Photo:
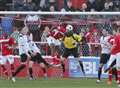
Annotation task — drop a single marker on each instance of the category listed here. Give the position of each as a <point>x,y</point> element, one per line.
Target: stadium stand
<point>60,5</point>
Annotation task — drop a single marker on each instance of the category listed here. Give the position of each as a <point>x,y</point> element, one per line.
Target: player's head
<point>104,32</point>
<point>24,30</point>
<point>116,28</point>
<point>84,6</point>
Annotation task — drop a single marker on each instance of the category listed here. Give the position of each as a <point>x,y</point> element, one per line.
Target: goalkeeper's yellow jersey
<point>71,42</point>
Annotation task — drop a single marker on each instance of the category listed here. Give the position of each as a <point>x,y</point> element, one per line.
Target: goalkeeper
<point>70,42</point>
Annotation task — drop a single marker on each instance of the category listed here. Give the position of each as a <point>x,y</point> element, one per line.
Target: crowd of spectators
<point>88,26</point>
<point>60,5</point>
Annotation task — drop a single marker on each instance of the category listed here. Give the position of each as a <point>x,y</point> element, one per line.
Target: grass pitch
<point>55,83</point>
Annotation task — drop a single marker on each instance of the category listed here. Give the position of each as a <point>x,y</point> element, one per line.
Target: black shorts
<point>67,52</point>
<point>37,58</point>
<point>104,58</point>
<point>23,57</point>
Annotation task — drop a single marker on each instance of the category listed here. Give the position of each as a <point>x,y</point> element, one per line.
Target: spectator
<point>96,46</point>
<point>44,37</point>
<point>99,5</point>
<point>116,5</point>
<point>1,32</point>
<point>28,6</point>
<point>33,23</point>
<point>95,5</point>
<point>92,36</point>
<point>7,24</point>
<point>84,45</point>
<point>63,10</point>
<point>69,6</point>
<point>4,6</point>
<point>83,7</point>
<point>88,34</point>
<point>18,5</point>
<point>18,22</point>
<point>15,34</point>
<point>108,6</point>
<point>53,2</point>
<point>42,5</point>
<point>91,5</point>
<point>45,34</point>
<point>52,8</point>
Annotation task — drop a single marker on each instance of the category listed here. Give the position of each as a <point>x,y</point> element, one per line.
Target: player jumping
<point>36,57</point>
<point>70,42</point>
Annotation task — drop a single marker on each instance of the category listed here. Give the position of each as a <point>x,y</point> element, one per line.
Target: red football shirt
<point>116,44</point>
<point>56,34</point>
<point>111,40</point>
<point>7,47</point>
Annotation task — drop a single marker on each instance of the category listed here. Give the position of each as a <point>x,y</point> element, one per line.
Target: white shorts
<point>112,58</point>
<point>118,60</point>
<point>51,40</point>
<point>4,59</point>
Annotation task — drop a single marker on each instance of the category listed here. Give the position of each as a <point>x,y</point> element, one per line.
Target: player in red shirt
<point>54,42</point>
<point>116,53</point>
<point>7,47</point>
<point>112,62</point>
<point>7,52</point>
<point>116,47</point>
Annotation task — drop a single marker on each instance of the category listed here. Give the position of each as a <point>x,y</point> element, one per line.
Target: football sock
<point>22,66</point>
<point>44,70</point>
<point>110,75</point>
<point>115,73</point>
<point>30,72</point>
<point>3,68</point>
<point>63,67</point>
<point>99,73</point>
<point>12,67</point>
<point>118,73</point>
<point>82,67</point>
